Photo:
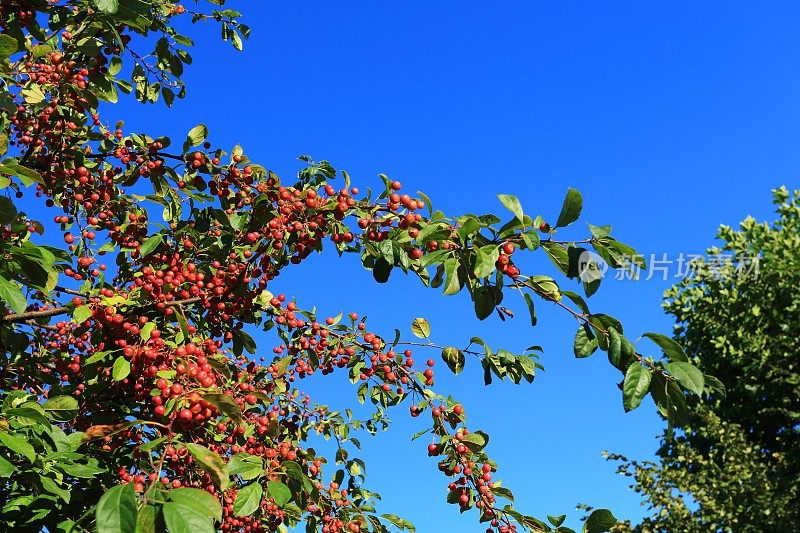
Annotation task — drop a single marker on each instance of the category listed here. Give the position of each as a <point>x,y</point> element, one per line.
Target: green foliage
<point>635,385</point>
<point>736,465</point>
<point>600,520</point>
<point>454,359</point>
<point>571,208</point>
<point>729,487</point>
<point>248,499</point>
<point>129,400</point>
<point>116,510</point>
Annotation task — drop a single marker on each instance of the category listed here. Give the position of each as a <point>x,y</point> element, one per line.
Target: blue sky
<point>670,118</point>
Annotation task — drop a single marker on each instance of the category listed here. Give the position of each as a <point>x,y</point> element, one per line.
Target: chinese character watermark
<point>592,267</point>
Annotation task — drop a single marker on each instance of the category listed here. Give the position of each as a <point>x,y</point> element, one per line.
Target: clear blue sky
<point>670,118</point>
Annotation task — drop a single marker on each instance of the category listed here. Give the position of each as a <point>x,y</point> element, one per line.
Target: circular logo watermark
<point>591,267</point>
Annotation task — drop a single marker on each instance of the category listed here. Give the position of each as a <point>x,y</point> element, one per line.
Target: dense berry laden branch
<point>141,409</point>
<point>387,378</point>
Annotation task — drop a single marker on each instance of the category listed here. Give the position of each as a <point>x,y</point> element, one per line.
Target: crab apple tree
<point>139,390</point>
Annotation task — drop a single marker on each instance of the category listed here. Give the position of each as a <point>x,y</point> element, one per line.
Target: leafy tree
<point>736,466</point>
<point>129,399</point>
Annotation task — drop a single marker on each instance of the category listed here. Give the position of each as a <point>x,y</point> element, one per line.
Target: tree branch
<point>29,315</point>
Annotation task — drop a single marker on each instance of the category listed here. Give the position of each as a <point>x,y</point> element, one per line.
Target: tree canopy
<point>736,465</point>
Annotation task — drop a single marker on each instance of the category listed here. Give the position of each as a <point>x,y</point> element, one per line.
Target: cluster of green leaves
<point>157,74</point>
<point>40,464</point>
<point>471,262</point>
<point>183,509</point>
<point>728,487</point>
<point>735,466</point>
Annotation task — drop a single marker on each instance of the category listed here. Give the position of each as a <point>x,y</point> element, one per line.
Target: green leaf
<point>146,520</point>
<point>577,300</point>
<point>26,175</point>
<point>688,375</point>
<point>635,385</point>
<point>484,300</point>
<point>236,40</point>
<point>294,471</point>
<point>115,65</point>
<point>54,487</point>
<point>246,466</point>
<point>556,520</point>
<point>29,411</point>
<point>421,328</point>
<point>97,356</point>
<point>476,441</point>
<point>511,203</point>
<point>585,342</point>
<point>427,201</point>
<point>80,470</point>
<point>248,499</point>
<point>82,314</point>
<point>8,212</point>
<point>61,408</point>
<point>503,492</point>
<point>361,392</point>
<point>211,463</point>
<point>116,510</point>
<point>121,368</point>
<point>147,330</point>
<point>52,280</point>
<point>714,386</point>
<point>198,499</point>
<point>570,209</point>
<point>226,405</point>
<point>381,270</point>
<point>599,232</point>
<point>184,325</point>
<point>485,260</point>
<point>600,520</point>
<point>672,349</point>
<point>107,6</point>
<point>669,399</point>
<point>398,522</point>
<point>106,88</point>
<point>454,359</point>
<point>558,256</point>
<point>18,445</point>
<point>8,45</point>
<point>150,245</point>
<point>279,492</point>
<point>451,284</point>
<point>183,519</point>
<point>530,239</point>
<point>197,135</point>
<point>247,342</point>
<point>11,293</point>
<point>531,308</point>
<point>6,468</point>
<point>617,348</point>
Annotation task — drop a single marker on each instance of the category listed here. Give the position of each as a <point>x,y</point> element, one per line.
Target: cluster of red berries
<point>503,262</point>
